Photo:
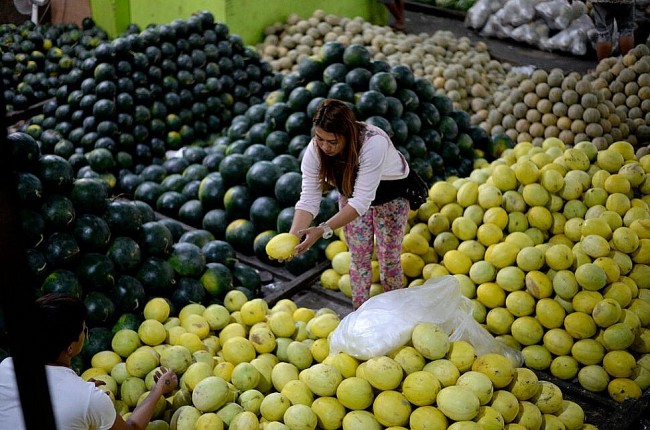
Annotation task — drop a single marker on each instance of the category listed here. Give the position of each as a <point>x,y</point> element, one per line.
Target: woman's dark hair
<point>60,320</point>
<point>335,116</point>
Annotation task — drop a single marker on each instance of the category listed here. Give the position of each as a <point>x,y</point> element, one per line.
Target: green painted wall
<point>111,15</point>
<point>247,18</point>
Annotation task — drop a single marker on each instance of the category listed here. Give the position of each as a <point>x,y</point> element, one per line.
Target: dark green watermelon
<point>128,294</point>
<point>187,259</point>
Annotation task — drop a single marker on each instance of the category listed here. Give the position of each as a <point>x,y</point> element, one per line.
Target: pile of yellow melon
<point>553,246</point>
<point>245,366</point>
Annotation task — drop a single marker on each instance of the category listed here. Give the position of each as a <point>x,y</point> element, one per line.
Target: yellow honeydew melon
<point>478,383</point>
<point>497,367</point>
<point>444,370</point>
<point>195,373</point>
<point>251,400</point>
<point>210,394</point>
<point>245,376</point>
<point>263,339</point>
<point>125,341</point>
<point>322,325</point>
<point>506,403</point>
<point>245,420</point>
<point>228,412</point>
<point>355,393</point>
<point>329,412</point>
<point>322,379</point>
<point>209,421</point>
<point>549,398</point>
<point>529,415</point>
<point>430,340</point>
<point>409,358</point>
<point>344,362</point>
<point>572,415</point>
<point>428,417</point>
<point>383,372</point>
<point>593,377</point>
<point>360,420</point>
<point>273,406</point>
<point>142,361</point>
<point>131,390</point>
<point>458,403</point>
<point>300,417</point>
<point>421,388</point>
<point>282,246</point>
<point>185,418</point>
<point>391,408</point>
<point>489,418</point>
<point>105,360</point>
<point>462,354</point>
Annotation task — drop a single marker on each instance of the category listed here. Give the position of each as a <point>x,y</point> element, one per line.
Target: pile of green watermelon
<point>140,95</point>
<point>113,252</point>
<point>36,60</point>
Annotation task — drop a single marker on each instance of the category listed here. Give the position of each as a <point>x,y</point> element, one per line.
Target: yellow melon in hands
<point>281,246</point>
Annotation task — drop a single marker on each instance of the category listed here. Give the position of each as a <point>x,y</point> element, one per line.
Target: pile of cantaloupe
<point>609,104</point>
<point>553,246</point>
<point>245,366</point>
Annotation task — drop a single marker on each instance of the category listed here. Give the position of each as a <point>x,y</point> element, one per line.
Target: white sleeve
<point>311,193</point>
<point>371,168</point>
<point>101,411</point>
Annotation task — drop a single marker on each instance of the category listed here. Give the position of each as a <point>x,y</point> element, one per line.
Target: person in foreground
<point>605,13</point>
<point>76,404</point>
<point>361,162</point>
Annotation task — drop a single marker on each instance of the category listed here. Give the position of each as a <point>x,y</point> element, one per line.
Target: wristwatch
<point>327,230</point>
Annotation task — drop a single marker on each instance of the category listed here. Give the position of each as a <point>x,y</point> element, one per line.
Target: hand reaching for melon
<point>166,379</point>
<point>308,237</point>
<point>97,382</point>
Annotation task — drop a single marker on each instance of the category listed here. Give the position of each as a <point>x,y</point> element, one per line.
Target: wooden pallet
<point>278,283</point>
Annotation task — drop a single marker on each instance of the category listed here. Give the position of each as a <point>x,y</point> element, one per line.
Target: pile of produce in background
<point>141,95</point>
<point>36,60</point>
<point>607,105</point>
<point>551,25</point>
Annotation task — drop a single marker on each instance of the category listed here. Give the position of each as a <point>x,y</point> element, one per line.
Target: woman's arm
<point>311,191</point>
<point>141,416</point>
<point>302,220</point>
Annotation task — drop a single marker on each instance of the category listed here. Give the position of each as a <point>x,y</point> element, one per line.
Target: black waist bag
<point>412,188</point>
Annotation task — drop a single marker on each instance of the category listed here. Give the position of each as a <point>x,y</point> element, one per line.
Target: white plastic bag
<point>385,322</point>
<point>556,13</point>
<point>494,28</point>
<point>530,33</point>
<point>478,14</point>
<point>516,12</point>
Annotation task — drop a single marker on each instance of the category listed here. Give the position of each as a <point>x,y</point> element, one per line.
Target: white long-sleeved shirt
<point>77,404</point>
<point>378,160</point>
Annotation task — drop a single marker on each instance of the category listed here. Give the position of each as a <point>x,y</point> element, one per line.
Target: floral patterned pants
<point>386,224</point>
